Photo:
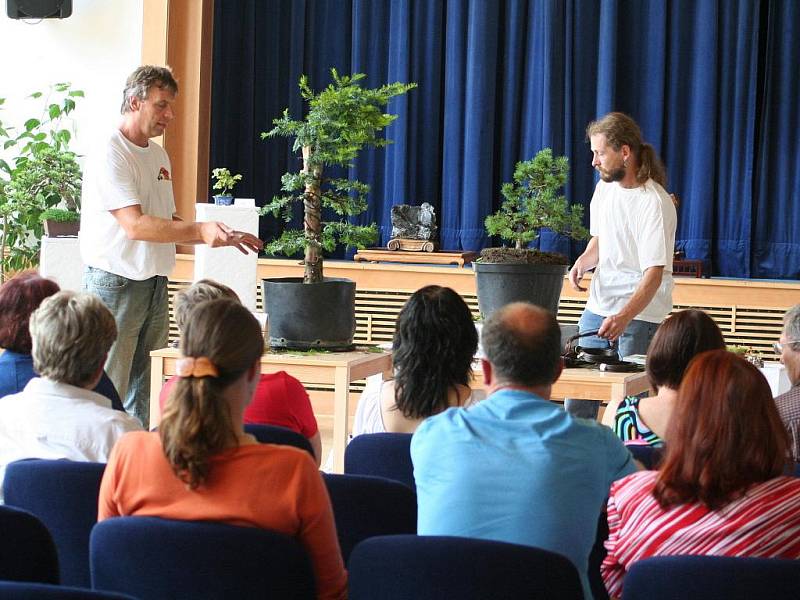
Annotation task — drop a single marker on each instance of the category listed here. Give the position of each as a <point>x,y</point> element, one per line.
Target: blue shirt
<point>519,469</point>
<point>16,370</point>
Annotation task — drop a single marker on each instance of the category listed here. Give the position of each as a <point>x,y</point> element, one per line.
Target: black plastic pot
<point>499,284</point>
<point>304,316</point>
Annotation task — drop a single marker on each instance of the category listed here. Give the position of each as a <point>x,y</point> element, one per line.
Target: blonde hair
<point>197,422</point>
<point>71,334</point>
<point>620,130</point>
<point>200,291</point>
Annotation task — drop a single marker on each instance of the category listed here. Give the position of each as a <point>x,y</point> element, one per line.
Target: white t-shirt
<point>636,230</point>
<point>117,175</point>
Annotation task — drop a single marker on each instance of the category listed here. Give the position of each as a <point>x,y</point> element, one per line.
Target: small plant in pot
<point>341,120</point>
<point>225,182</point>
<point>531,202</point>
<point>60,222</point>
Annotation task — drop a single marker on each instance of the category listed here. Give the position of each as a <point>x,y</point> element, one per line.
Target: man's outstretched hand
<point>218,235</point>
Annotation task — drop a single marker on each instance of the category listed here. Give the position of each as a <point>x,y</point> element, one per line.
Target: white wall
<point>95,49</point>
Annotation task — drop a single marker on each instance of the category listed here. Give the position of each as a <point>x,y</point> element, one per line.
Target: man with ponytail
<point>201,465</point>
<point>632,222</point>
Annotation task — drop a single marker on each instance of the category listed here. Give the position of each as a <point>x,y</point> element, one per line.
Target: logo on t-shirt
<point>163,174</point>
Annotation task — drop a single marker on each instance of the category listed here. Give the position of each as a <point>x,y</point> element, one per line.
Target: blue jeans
<point>141,311</point>
<point>635,340</point>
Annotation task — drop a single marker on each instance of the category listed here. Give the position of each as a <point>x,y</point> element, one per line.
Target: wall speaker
<point>38,9</point>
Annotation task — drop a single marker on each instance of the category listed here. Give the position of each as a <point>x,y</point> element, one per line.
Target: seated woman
<point>201,465</point>
<point>280,399</point>
<point>19,297</point>
<point>721,489</point>
<point>434,344</point>
<point>678,339</point>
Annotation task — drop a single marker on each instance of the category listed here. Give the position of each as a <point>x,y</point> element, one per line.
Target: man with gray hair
<point>57,415</point>
<point>129,228</point>
<point>789,402</point>
<point>516,467</point>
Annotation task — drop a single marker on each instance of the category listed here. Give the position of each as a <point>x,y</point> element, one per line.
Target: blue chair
<point>272,434</point>
<point>711,578</point>
<point>365,507</point>
<point>381,455</point>
<point>63,494</point>
<point>649,456</point>
<point>400,567</point>
<point>164,559</point>
<point>13,590</point>
<point>27,551</point>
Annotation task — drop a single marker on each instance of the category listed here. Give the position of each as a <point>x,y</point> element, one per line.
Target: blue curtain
<point>713,84</point>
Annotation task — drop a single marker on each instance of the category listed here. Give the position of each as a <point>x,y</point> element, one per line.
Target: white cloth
<point>369,418</point>
<point>120,174</point>
<point>635,230</point>
<point>55,420</point>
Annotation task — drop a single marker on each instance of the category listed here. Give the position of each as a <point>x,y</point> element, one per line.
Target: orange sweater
<point>260,485</point>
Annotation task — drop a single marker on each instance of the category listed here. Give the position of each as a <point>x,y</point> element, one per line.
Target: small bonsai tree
<point>223,180</point>
<point>342,119</point>
<point>532,202</point>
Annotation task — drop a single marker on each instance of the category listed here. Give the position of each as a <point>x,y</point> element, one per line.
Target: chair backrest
<point>14,590</point>
<point>711,578</point>
<point>365,507</point>
<point>273,434</point>
<point>649,456</point>
<point>63,494</point>
<point>381,455</point>
<point>27,551</point>
<point>160,559</point>
<point>433,567</point>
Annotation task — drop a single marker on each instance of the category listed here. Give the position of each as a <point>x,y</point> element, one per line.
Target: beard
<point>613,175</point>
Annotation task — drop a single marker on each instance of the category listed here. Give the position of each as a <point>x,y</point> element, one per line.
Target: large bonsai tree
<point>341,120</point>
<point>532,202</point>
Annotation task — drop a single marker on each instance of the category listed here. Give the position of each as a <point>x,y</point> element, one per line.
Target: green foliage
<point>532,202</point>
<point>224,180</point>
<point>43,174</point>
<point>342,119</point>
<point>59,215</point>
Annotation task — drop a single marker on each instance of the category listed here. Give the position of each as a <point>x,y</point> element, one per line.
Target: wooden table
<point>592,384</point>
<point>440,257</point>
<point>337,368</point>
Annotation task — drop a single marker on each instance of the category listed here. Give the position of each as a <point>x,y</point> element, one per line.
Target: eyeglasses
<point>778,346</point>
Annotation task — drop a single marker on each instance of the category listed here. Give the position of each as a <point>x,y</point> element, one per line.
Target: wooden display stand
<point>443,257</point>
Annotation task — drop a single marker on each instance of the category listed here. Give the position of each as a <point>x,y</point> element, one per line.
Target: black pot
<point>304,316</point>
<point>501,283</point>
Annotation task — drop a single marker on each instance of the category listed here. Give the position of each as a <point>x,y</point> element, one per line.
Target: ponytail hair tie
<point>201,366</point>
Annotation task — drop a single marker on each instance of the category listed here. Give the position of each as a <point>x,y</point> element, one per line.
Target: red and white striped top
<point>765,522</point>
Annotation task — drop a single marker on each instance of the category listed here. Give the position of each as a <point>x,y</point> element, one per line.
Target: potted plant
<point>531,202</point>
<point>60,222</point>
<point>224,181</point>
<point>315,311</point>
<point>44,174</point>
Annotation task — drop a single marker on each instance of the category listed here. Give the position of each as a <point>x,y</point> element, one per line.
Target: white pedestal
<point>228,265</point>
<point>776,375</point>
<point>60,260</point>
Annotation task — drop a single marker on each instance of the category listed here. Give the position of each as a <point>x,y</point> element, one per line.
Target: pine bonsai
<point>531,203</point>
<point>342,119</point>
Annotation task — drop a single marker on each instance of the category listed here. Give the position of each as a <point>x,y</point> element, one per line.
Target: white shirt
<point>119,174</point>
<point>635,228</point>
<point>55,420</point>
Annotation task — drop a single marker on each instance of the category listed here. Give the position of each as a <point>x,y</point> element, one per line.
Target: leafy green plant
<point>59,215</point>
<point>341,120</point>
<point>223,180</point>
<point>532,202</point>
<point>43,174</point>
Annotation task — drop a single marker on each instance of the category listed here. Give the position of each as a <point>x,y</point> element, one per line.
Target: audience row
<point>512,466</point>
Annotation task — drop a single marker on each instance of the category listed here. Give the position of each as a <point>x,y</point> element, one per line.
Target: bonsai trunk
<point>312,220</point>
